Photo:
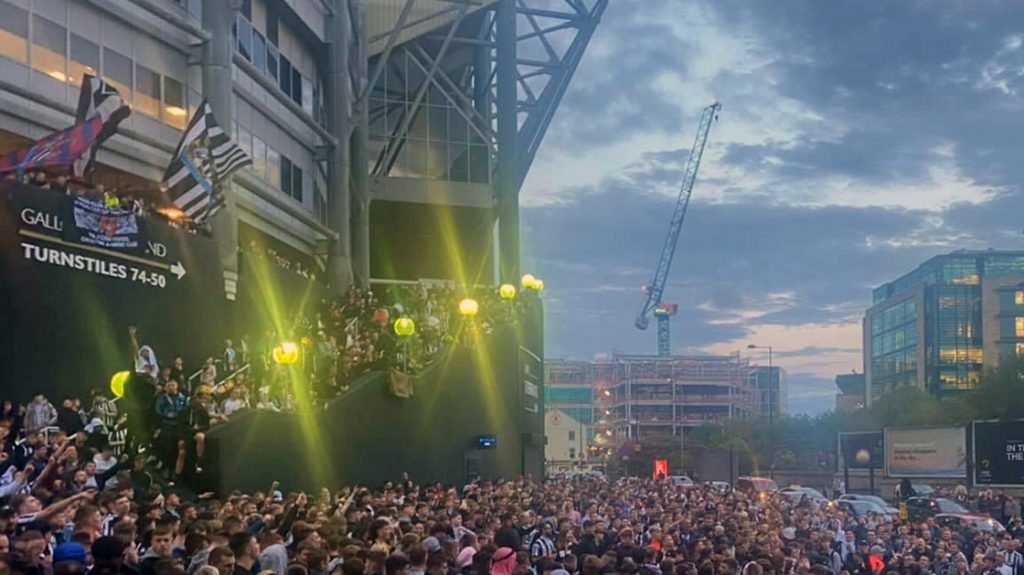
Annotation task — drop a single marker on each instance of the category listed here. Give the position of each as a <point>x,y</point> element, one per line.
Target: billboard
<point>926,452</point>
<point>861,450</point>
<point>997,449</point>
<point>76,276</point>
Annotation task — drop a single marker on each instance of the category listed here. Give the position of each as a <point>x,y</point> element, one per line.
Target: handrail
<point>231,376</point>
<point>200,371</point>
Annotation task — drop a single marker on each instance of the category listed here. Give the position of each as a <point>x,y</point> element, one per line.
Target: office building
<point>851,392</point>
<point>389,138</point>
<point>769,391</point>
<point>937,327</point>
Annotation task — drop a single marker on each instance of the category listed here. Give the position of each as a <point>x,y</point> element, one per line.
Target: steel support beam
<point>362,84</point>
<point>506,182</point>
<point>382,60</point>
<point>397,139</point>
<point>339,111</point>
<point>561,70</point>
<point>218,87</point>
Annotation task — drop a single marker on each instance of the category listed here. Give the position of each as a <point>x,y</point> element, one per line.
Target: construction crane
<point>653,292</point>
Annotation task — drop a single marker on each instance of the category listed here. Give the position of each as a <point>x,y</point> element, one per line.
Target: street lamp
<point>117,383</point>
<point>507,291</point>
<point>404,328</point>
<point>469,307</point>
<point>771,409</point>
<point>285,354</point>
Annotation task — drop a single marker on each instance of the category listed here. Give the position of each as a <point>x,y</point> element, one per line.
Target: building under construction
<point>628,396</point>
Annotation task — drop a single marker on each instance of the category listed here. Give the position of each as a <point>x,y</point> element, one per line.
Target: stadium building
<point>389,141</point>
<point>390,138</point>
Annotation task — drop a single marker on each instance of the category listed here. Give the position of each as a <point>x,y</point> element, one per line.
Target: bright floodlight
<point>286,354</point>
<point>469,307</point>
<point>507,291</point>
<point>117,382</point>
<point>404,326</point>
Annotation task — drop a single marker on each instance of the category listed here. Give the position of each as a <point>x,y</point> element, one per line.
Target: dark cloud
<point>599,250</point>
<point>613,95</point>
<point>885,93</point>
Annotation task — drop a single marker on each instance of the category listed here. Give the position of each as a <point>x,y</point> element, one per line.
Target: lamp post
<point>404,328</point>
<point>771,409</point>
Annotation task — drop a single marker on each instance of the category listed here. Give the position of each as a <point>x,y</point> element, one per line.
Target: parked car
<point>756,486</point>
<point>721,486</point>
<point>920,508</point>
<point>796,493</point>
<point>873,498</point>
<point>861,508</point>
<point>922,489</point>
<point>959,521</point>
<point>680,480</point>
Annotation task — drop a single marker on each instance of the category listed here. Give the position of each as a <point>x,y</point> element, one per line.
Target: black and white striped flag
<point>98,98</point>
<point>205,157</point>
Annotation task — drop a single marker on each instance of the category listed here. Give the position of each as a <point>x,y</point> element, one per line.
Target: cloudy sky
<point>857,138</point>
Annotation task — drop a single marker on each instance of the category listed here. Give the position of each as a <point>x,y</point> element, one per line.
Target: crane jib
<point>668,250</point>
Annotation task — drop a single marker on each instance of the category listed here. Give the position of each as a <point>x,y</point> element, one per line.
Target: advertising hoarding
<point>926,452</point>
<point>997,449</point>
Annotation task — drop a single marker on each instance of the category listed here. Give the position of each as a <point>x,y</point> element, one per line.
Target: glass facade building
<point>939,326</point>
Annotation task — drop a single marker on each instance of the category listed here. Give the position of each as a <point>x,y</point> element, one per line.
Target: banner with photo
<point>98,225</point>
<point>926,452</point>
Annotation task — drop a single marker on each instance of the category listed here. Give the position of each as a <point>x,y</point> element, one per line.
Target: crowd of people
<point>72,508</point>
<point>110,197</point>
<point>169,407</point>
<point>271,255</point>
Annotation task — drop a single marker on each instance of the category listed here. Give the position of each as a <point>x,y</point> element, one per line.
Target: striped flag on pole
<point>204,159</point>
<point>97,98</point>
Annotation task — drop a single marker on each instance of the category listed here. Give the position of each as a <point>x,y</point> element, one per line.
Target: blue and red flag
<point>56,150</point>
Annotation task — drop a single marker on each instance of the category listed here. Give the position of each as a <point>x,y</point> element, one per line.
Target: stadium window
<point>1018,298</point>
<point>273,167</point>
<point>259,52</point>
<point>147,89</point>
<point>285,83</point>
<point>572,453</point>
<point>1019,348</point>
<point>296,86</point>
<point>244,31</point>
<point>244,139</point>
<point>117,71</point>
<point>85,58</point>
<point>175,111</point>
<point>1018,325</point>
<point>259,157</point>
<point>272,27</point>
<point>572,435</point>
<point>297,183</point>
<point>49,47</point>
<point>13,32</point>
<point>272,62</point>
<point>306,96</point>
<point>286,175</point>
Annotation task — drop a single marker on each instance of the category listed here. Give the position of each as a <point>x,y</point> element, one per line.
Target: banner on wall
<point>997,449</point>
<point>926,452</point>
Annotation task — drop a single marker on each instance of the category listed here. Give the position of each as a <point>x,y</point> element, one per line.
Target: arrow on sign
<point>178,270</point>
